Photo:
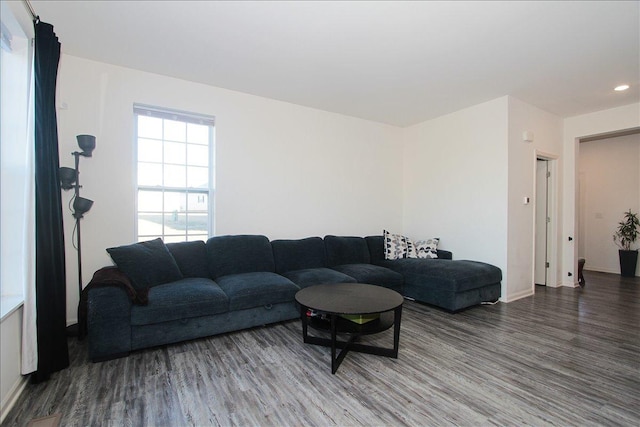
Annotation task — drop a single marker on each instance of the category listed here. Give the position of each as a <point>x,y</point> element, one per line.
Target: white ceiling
<point>392,62</point>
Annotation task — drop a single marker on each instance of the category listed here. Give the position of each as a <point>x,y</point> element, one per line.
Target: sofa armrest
<point>442,254</point>
<point>108,322</point>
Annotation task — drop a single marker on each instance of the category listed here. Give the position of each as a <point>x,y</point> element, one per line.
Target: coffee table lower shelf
<point>338,325</point>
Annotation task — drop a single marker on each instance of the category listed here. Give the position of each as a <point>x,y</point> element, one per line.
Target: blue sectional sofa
<point>160,294</point>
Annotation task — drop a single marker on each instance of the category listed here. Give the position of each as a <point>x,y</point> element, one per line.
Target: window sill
<point>9,304</point>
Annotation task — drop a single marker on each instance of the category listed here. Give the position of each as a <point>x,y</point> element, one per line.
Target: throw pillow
<point>427,248</point>
<point>397,246</point>
<point>146,264</point>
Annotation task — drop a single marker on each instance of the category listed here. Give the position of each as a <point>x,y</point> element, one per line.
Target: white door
<point>542,222</point>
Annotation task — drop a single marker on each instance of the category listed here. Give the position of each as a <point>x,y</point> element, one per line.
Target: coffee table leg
<point>334,362</point>
<point>397,317</point>
<point>304,320</point>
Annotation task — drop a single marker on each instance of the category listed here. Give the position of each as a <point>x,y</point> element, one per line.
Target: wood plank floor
<point>568,357</point>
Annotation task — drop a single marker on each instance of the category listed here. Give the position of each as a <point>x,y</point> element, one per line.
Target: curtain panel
<point>53,353</point>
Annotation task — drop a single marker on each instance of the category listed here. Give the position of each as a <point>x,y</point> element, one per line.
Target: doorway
<point>542,222</point>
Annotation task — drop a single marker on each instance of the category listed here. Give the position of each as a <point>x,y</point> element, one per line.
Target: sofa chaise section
<point>450,284</point>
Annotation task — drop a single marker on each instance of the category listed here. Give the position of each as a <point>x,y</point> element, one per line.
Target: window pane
<point>175,131</point>
<point>175,201</point>
<point>197,202</point>
<point>149,127</point>
<point>149,224</point>
<point>149,150</point>
<point>145,238</point>
<point>149,201</point>
<point>198,223</point>
<point>149,174</point>
<point>197,177</point>
<point>175,223</point>
<point>198,134</point>
<point>174,239</point>
<point>174,176</point>
<point>175,152</point>
<point>197,155</point>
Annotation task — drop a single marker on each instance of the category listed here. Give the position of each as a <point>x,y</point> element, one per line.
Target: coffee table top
<point>349,298</point>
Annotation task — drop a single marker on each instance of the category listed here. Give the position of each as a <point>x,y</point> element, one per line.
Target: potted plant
<point>626,234</point>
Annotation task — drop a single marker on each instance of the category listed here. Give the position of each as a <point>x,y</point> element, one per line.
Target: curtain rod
<point>27,4</point>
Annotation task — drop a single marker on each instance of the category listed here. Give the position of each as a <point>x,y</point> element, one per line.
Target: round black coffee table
<point>355,309</point>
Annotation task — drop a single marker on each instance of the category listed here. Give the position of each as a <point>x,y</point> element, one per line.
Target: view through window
<point>174,174</point>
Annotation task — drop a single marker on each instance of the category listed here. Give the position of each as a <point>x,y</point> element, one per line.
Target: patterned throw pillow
<point>397,246</point>
<point>427,248</point>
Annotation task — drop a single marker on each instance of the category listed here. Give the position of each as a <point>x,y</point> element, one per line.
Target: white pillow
<point>427,248</point>
<point>397,246</point>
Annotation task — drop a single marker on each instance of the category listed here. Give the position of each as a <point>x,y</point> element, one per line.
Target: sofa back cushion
<point>239,254</point>
<point>146,264</point>
<point>376,248</point>
<point>301,254</point>
<point>342,250</point>
<point>191,258</point>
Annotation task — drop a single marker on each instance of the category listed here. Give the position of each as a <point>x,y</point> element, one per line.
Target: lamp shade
<point>67,177</point>
<point>81,206</point>
<point>87,144</point>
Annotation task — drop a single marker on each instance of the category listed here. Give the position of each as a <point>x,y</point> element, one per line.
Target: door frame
<point>553,213</point>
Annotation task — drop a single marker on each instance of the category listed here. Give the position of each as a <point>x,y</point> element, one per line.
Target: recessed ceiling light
<point>621,88</point>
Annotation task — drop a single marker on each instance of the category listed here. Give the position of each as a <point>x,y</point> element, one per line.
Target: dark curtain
<point>51,296</point>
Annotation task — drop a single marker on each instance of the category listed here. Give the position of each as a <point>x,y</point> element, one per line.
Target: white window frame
<point>176,115</point>
<point>17,197</point>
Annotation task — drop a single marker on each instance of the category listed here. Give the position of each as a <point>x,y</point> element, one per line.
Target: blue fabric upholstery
<point>299,254</point>
<point>317,276</point>
<point>247,291</point>
<point>455,276</point>
<point>196,327</point>
<point>373,275</point>
<point>250,290</point>
<point>191,258</point>
<point>239,254</point>
<point>346,250</point>
<point>146,264</point>
<point>179,300</point>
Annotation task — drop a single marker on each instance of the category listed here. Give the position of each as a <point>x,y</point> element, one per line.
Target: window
<point>17,226</point>
<point>174,174</point>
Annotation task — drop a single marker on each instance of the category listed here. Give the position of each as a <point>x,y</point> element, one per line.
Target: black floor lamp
<point>70,178</point>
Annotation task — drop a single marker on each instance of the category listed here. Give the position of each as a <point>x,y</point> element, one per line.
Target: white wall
<point>282,170</point>
<point>455,183</point>
<point>466,175</point>
<point>547,142</point>
<point>600,122</point>
<point>609,172</point>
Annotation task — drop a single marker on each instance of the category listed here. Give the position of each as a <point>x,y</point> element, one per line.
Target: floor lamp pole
<point>78,216</point>
<point>70,178</point>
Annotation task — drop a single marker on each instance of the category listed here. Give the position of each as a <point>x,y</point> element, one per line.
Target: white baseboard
<point>518,295</point>
<point>12,397</point>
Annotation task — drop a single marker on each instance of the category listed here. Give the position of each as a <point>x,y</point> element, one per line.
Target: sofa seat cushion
<point>446,275</point>
<point>249,290</point>
<point>373,275</point>
<point>192,297</point>
<point>317,276</point>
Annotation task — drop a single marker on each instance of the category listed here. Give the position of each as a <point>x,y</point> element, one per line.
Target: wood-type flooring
<point>567,357</point>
